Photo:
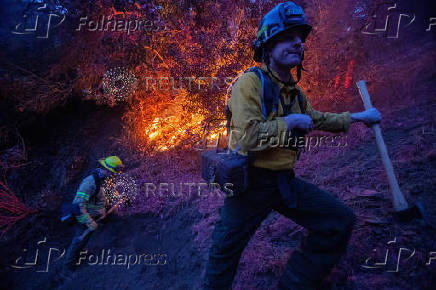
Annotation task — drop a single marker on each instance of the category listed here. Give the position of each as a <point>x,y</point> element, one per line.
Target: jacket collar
<point>275,78</point>
<point>102,173</point>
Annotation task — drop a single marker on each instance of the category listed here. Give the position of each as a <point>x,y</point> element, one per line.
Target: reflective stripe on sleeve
<point>82,218</point>
<point>82,194</point>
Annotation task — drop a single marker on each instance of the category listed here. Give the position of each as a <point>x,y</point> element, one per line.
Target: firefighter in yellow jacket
<point>91,203</point>
<point>272,184</point>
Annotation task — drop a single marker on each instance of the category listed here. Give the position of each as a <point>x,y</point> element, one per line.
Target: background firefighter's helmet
<point>283,17</point>
<point>112,163</point>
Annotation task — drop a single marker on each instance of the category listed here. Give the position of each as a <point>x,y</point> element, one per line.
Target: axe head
<point>408,214</point>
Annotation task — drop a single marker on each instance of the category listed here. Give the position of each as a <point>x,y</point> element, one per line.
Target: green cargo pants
<point>328,221</point>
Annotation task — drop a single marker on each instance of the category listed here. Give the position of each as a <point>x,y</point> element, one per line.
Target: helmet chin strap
<point>300,67</point>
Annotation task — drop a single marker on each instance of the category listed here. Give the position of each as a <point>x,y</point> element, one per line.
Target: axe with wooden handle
<point>402,210</point>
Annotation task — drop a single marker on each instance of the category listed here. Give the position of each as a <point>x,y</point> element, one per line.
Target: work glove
<point>368,117</point>
<point>92,225</point>
<point>299,121</point>
<point>371,116</point>
<point>102,212</point>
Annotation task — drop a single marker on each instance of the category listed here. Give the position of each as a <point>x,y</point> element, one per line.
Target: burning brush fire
<point>177,126</point>
<point>167,132</point>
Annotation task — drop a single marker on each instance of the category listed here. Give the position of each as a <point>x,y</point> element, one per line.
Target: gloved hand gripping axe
<point>114,207</point>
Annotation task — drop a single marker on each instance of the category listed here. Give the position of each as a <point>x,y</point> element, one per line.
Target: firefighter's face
<point>287,49</point>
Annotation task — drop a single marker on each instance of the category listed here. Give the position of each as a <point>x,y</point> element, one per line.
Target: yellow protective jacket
<point>249,127</point>
<point>92,205</point>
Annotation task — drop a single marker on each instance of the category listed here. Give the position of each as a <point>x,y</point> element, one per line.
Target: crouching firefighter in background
<point>88,205</point>
<point>266,103</point>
